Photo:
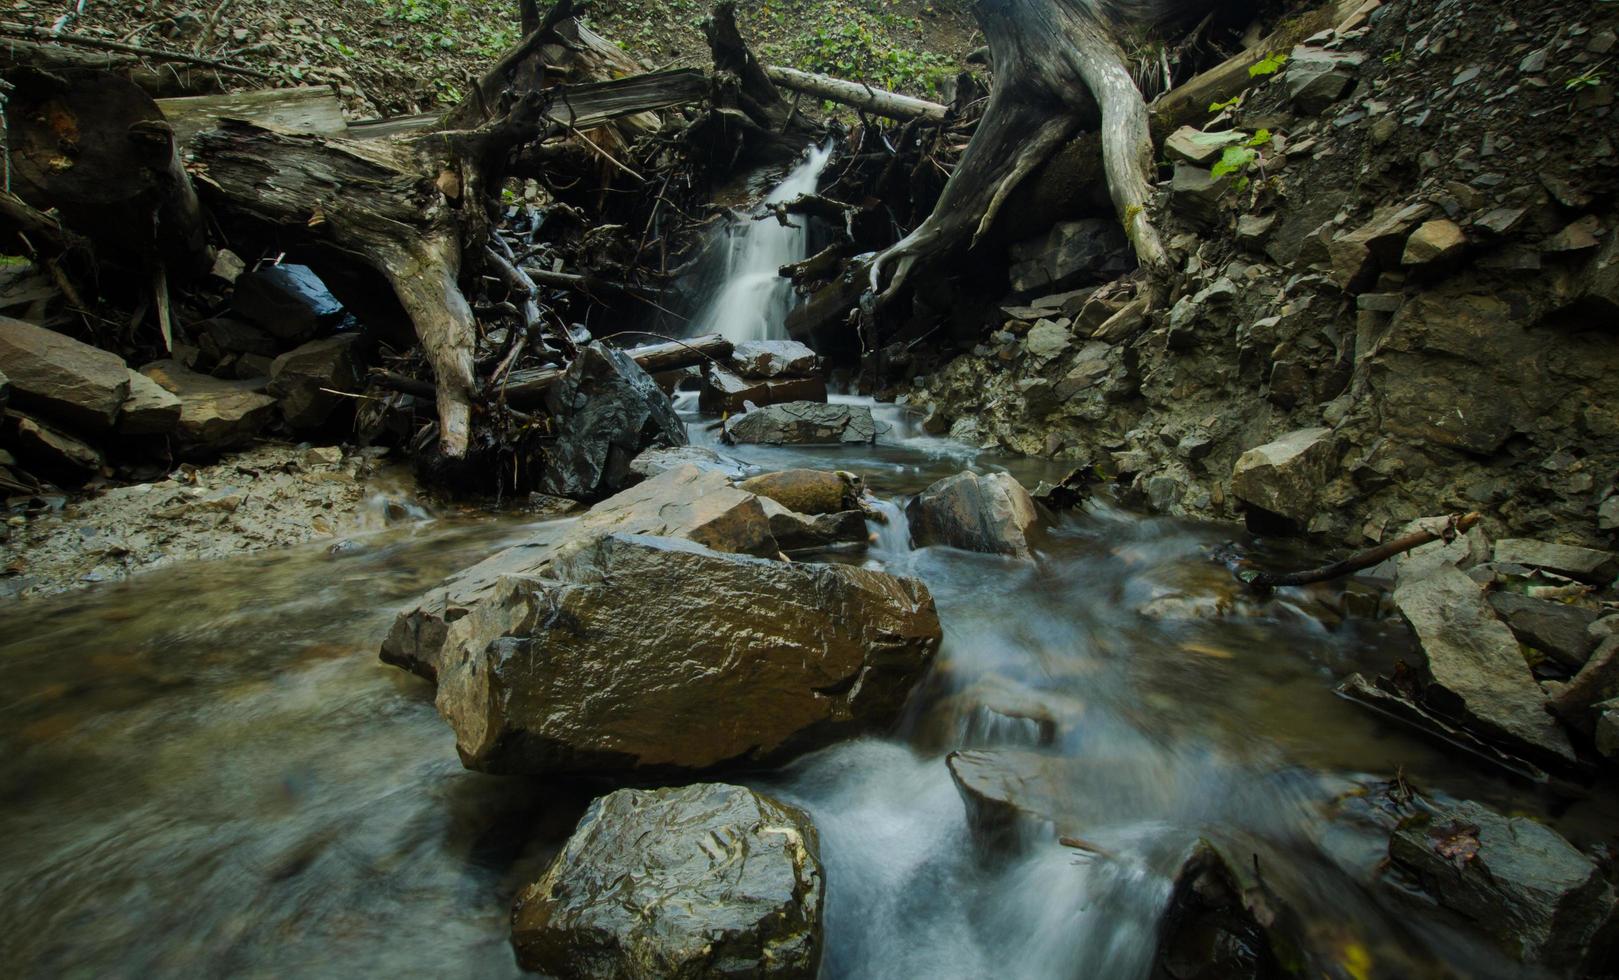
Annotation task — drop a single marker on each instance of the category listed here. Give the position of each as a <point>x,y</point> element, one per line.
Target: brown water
<point>207,772</point>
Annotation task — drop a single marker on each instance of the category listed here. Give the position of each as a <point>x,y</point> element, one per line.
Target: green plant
<point>1234,102</point>
<point>1269,65</point>
<point>1393,56</point>
<point>1240,154</point>
<point>1590,79</point>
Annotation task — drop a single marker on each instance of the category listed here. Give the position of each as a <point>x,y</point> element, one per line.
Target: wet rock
<point>214,414</point>
<point>808,491</point>
<point>1434,241</point>
<point>990,514</point>
<point>62,378</point>
<point>1285,477</point>
<point>1215,926</point>
<point>803,423</point>
<point>753,661</point>
<point>773,359</point>
<point>289,301</point>
<point>702,881</point>
<point>303,378</point>
<point>657,461</point>
<point>1477,674</point>
<point>59,453</point>
<point>1530,890</point>
<point>1003,788</point>
<point>685,502</point>
<point>1316,78</point>
<point>1586,564</point>
<point>1073,253</point>
<point>1556,629</point>
<point>150,409</point>
<point>794,531</point>
<point>726,393</point>
<point>606,410</point>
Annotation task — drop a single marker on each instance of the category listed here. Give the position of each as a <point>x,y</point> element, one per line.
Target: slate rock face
<point>70,381</point>
<point>708,880</point>
<point>641,655</point>
<point>606,409</point>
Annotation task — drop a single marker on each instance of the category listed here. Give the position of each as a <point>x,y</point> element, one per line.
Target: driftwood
<point>1457,524</point>
<point>858,95</point>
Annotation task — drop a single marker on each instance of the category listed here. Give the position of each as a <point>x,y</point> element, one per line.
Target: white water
<point>754,302</point>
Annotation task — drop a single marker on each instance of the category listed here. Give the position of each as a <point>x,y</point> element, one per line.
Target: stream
<point>208,772</point>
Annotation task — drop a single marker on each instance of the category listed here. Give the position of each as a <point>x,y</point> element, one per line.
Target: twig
<point>213,22</point>
<point>1366,559</point>
<point>41,34</point>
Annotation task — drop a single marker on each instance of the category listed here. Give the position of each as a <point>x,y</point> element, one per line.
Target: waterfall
<point>752,303</point>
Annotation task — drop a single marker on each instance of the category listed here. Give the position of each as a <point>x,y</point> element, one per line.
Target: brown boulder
<point>808,491</point>
<point>726,393</point>
<point>54,374</point>
<point>214,414</point>
<point>990,514</point>
<point>150,409</point>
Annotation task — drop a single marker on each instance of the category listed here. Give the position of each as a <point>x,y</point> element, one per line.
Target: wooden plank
<point>311,110</point>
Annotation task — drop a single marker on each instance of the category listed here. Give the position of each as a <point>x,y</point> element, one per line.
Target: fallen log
<point>527,388</point>
<point>154,54</point>
<point>1457,524</point>
<point>890,105</point>
<point>310,109</point>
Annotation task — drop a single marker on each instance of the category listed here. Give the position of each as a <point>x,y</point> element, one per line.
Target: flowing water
<point>207,772</point>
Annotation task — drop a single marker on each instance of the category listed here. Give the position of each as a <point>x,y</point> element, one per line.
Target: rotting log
<point>311,109</point>
<point>890,105</point>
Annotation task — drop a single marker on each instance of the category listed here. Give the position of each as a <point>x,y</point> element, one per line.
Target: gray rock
<point>803,423</point>
<point>1285,477</point>
<point>1478,675</point>
<point>1379,243</point>
<point>606,411</point>
<point>1597,681</point>
<point>773,359</point>
<point>1607,732</point>
<point>1186,145</point>
<point>753,660</point>
<point>1316,78</point>
<point>62,378</point>
<point>1046,340</point>
<point>1537,896</point>
<point>1463,551</point>
<point>657,461</point>
<point>702,881</point>
<point>303,378</point>
<point>214,414</point>
<point>1586,564</point>
<point>1608,514</point>
<point>220,337</point>
<point>150,409</point>
<point>1253,229</point>
<point>795,531</point>
<point>990,514</point>
<point>1556,629</point>
<point>289,301</point>
<point>685,502</point>
<point>1195,193</point>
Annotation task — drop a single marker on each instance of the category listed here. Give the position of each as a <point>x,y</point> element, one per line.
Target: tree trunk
<point>858,95</point>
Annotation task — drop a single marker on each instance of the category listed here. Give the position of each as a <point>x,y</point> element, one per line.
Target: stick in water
<point>1456,524</point>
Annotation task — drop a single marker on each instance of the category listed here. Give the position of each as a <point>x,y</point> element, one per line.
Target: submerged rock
<point>1478,675</point>
<point>1537,896</point>
<point>703,881</point>
<point>685,502</point>
<point>991,514</point>
<point>803,423</point>
<point>606,410</point>
<point>66,379</point>
<point>644,654</point>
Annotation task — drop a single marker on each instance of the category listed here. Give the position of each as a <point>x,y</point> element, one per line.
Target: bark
<point>311,109</point>
<point>858,95</point>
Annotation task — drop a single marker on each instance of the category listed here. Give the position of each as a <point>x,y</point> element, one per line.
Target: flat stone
<point>62,378</point>
<point>796,532</point>
<point>1556,629</point>
<point>1285,477</point>
<point>214,414</point>
<point>1434,241</point>
<point>707,880</point>
<point>1190,145</point>
<point>773,359</point>
<point>659,460</point>
<point>1316,78</point>
<point>1047,339</point>
<point>60,452</point>
<point>808,491</point>
<point>150,409</point>
<point>803,423</point>
<point>990,514</point>
<point>1478,675</point>
<point>1586,564</point>
<point>1577,236</point>
<point>727,393</point>
<point>753,661</point>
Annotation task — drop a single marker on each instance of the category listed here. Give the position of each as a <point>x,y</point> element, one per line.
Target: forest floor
<point>394,57</point>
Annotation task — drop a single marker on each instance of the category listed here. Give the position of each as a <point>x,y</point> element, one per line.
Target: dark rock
<point>150,409</point>
<point>1597,681</point>
<point>1217,922</point>
<point>795,531</point>
<point>1253,229</point>
<point>5,390</point>
<point>1607,729</point>
<point>1586,564</point>
<point>1537,896</point>
<point>214,414</point>
<point>1285,477</point>
<point>685,502</point>
<point>726,393</point>
<point>58,453</point>
<point>289,301</point>
<point>773,359</point>
<point>1379,243</point>
<point>753,661</point>
<point>54,374</point>
<point>991,514</point>
<point>1556,629</point>
<point>808,491</point>
<point>1316,78</point>
<point>303,378</point>
<point>803,423</point>
<point>1391,700</point>
<point>220,337</point>
<point>1073,253</point>
<point>606,410</point>
<point>1477,674</point>
<point>1195,193</point>
<point>702,881</point>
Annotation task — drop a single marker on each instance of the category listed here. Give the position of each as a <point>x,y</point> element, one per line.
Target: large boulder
<point>214,414</point>
<point>1285,477</point>
<point>773,359</point>
<point>606,409</point>
<point>685,502</point>
<point>702,881</point>
<point>1478,675</point>
<point>991,514</point>
<point>803,423</point>
<point>150,409</point>
<point>651,656</point>
<point>1537,896</point>
<point>304,378</point>
<point>69,381</point>
<point>808,491</point>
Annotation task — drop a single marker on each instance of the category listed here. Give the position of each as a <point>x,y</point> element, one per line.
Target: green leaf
<point>1234,158</point>
<point>1261,138</point>
<point>1268,66</point>
<point>1218,139</point>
